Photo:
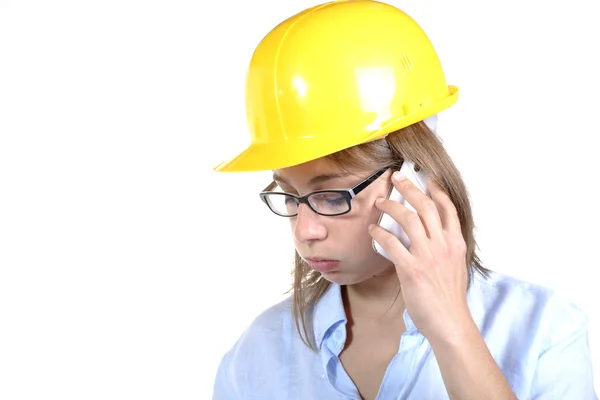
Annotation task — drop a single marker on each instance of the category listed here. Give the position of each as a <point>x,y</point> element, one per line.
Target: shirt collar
<point>329,310</point>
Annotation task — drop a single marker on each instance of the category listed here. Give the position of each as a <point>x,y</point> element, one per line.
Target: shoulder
<point>267,333</point>
<point>262,346</point>
<point>526,306</point>
<point>271,321</point>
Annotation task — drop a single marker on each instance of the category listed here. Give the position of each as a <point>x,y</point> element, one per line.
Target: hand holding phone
<point>419,179</point>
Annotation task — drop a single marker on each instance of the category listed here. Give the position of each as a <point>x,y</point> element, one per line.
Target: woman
<point>340,96</point>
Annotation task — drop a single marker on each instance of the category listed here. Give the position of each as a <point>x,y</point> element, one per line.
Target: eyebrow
<point>316,180</point>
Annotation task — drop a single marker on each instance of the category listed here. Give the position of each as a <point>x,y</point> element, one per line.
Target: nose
<point>308,225</point>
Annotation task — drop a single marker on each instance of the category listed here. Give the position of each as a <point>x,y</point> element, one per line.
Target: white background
<point>128,267</point>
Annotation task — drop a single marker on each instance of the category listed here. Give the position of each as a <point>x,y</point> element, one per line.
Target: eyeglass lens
<point>326,203</point>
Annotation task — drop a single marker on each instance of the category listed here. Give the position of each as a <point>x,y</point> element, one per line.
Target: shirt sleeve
<point>222,388</point>
<point>564,370</point>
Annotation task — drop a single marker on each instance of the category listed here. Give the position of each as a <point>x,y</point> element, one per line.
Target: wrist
<point>459,332</point>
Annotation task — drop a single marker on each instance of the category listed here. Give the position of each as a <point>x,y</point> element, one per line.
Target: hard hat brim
<point>270,156</point>
<point>276,155</point>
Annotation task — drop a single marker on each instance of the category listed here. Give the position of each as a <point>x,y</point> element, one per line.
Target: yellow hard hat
<point>334,76</point>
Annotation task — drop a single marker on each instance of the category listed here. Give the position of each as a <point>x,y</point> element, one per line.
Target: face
<point>339,247</point>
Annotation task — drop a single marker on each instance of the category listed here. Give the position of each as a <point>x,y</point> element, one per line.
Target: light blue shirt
<point>538,339</point>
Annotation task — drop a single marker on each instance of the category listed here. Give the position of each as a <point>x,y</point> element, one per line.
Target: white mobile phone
<point>419,179</point>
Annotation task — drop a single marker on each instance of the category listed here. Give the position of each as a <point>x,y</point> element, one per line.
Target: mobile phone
<point>419,179</point>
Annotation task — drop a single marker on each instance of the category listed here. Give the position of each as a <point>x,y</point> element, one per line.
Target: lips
<point>322,265</point>
<point>318,259</point>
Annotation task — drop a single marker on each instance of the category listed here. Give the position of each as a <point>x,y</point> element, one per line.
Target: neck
<point>375,298</point>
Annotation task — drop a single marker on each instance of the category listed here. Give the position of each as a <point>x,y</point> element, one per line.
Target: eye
<point>289,200</point>
<point>334,200</point>
<point>329,200</point>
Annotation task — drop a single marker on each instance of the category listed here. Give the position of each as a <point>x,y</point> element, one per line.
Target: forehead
<point>311,173</point>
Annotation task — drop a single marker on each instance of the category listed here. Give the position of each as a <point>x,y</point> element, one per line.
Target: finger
<point>447,210</point>
<point>424,205</point>
<point>409,221</point>
<point>399,254</point>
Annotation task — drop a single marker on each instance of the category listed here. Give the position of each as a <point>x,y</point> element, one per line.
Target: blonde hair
<point>418,144</point>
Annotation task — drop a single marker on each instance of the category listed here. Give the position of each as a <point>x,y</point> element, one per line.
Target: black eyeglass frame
<point>347,194</point>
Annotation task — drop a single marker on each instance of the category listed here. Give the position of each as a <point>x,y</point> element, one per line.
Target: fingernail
<point>398,177</point>
<point>379,200</point>
<point>371,226</point>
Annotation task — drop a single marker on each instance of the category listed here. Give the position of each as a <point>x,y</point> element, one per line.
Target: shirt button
<point>322,376</point>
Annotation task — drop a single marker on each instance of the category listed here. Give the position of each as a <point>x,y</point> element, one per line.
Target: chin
<point>344,278</point>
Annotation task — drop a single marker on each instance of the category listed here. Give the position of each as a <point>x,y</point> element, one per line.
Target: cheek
<point>355,229</point>
<point>352,228</point>
<point>367,213</point>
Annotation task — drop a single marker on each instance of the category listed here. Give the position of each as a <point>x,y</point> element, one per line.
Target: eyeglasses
<point>324,202</point>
